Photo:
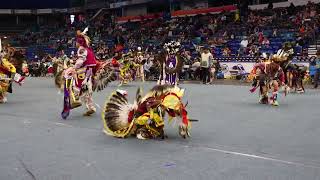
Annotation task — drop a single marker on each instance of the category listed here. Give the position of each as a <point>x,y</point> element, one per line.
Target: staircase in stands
<point>312,50</point>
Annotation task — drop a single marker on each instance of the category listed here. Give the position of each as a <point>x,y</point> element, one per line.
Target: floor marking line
<point>63,124</point>
<point>257,157</point>
<point>27,169</point>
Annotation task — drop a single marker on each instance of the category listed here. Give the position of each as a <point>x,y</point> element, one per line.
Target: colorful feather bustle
<point>59,79</point>
<point>144,118</point>
<point>103,77</point>
<point>104,80</point>
<point>115,115</point>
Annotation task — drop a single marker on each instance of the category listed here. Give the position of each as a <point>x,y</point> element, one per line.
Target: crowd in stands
<point>263,30</point>
<point>226,33</point>
<point>228,36</point>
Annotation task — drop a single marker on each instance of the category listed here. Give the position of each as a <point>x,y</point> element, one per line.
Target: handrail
<point>97,13</point>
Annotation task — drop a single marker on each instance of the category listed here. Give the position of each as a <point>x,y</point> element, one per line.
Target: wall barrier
<point>179,13</point>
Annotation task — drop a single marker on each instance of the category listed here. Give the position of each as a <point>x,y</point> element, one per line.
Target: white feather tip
<point>85,30</point>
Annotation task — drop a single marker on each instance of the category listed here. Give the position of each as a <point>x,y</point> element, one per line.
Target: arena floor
<point>235,139</point>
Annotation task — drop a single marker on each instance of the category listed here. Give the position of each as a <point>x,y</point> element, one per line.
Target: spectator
<point>206,61</point>
<point>275,32</point>
<point>147,67</point>
<point>261,37</point>
<point>226,52</point>
<point>270,5</point>
<point>317,74</point>
<point>291,9</point>
<point>302,30</point>
<point>266,42</point>
<point>119,42</point>
<point>244,42</point>
<point>253,51</point>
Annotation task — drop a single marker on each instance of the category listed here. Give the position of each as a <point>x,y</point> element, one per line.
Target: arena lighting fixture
<point>5,37</point>
<point>72,18</point>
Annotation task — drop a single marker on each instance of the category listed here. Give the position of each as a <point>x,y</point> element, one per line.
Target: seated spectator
<point>226,52</point>
<point>302,30</point>
<point>275,32</point>
<point>266,42</point>
<point>260,37</point>
<point>244,42</point>
<point>253,51</point>
<point>317,75</point>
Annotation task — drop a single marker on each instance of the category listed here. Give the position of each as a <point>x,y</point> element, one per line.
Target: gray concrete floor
<point>235,139</point>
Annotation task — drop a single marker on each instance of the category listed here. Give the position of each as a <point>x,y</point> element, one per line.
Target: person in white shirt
<point>244,43</point>
<point>206,61</point>
<point>147,67</point>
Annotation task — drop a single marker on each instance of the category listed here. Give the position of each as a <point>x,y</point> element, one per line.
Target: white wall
<point>248,66</point>
<point>5,11</point>
<point>135,10</point>
<point>302,2</point>
<point>283,4</point>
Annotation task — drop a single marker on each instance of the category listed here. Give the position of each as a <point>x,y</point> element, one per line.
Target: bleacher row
<point>32,52</point>
<point>275,44</point>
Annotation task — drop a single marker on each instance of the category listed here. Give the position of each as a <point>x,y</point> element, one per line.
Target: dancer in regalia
<point>294,73</point>
<point>128,68</point>
<point>60,63</point>
<point>171,63</point>
<point>8,73</point>
<point>145,118</point>
<point>140,61</point>
<point>85,77</point>
<point>268,76</point>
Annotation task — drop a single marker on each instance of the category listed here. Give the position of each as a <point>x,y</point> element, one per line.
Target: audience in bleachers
<point>264,31</point>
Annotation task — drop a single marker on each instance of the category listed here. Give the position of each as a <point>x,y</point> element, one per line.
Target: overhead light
<point>5,37</point>
<point>72,17</point>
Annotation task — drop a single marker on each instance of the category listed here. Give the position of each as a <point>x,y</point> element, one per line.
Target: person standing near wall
<point>206,61</point>
<point>317,74</point>
<point>213,70</point>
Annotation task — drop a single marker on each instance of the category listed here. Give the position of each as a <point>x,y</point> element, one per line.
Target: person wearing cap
<point>317,74</point>
<point>206,62</point>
